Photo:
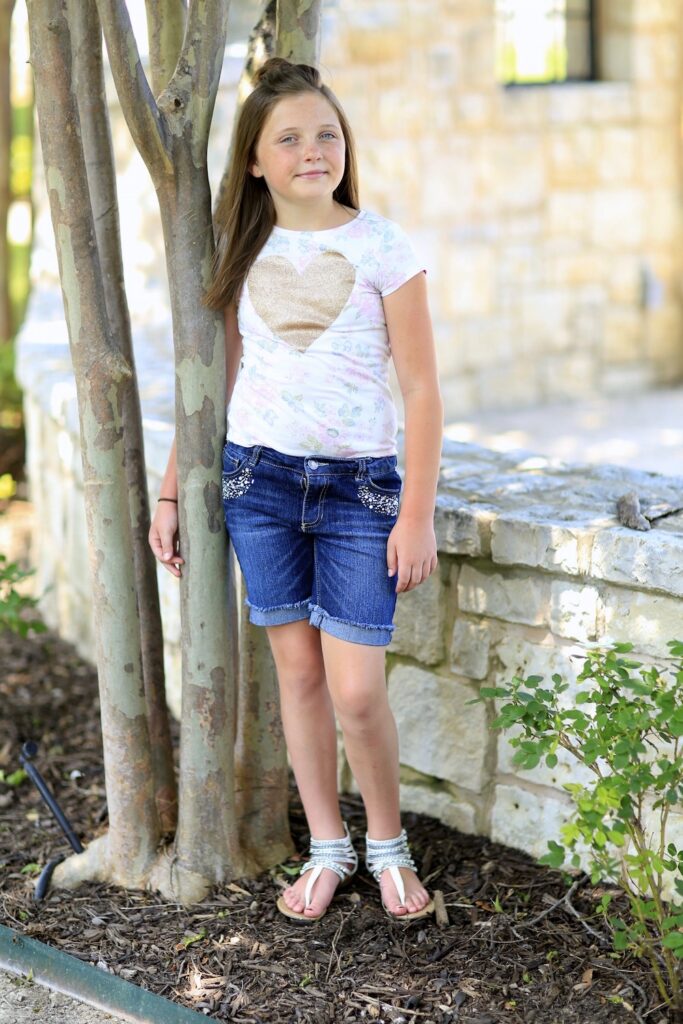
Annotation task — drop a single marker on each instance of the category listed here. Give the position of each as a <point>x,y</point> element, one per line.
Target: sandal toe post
<point>392,854</point>
<point>334,854</point>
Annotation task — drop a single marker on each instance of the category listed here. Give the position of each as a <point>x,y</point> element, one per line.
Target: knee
<point>359,707</point>
<point>302,681</point>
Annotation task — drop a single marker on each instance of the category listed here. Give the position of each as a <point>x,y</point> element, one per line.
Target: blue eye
<point>287,137</point>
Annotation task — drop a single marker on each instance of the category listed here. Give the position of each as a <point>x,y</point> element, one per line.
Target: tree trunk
<point>6,325</point>
<point>125,854</point>
<point>99,159</point>
<point>232,814</point>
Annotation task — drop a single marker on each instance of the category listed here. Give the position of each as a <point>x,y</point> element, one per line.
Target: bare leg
<point>357,682</point>
<point>310,734</point>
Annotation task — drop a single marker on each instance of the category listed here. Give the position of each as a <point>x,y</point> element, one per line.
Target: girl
<point>317,293</point>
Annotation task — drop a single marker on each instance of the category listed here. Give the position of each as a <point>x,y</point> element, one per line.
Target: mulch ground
<point>513,950</point>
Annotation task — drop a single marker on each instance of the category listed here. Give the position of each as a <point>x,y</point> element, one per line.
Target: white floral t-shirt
<point>313,379</point>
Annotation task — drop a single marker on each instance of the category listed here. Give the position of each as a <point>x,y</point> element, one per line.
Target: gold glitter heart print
<point>299,307</point>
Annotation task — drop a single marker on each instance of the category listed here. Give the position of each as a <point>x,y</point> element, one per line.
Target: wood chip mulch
<point>513,948</point>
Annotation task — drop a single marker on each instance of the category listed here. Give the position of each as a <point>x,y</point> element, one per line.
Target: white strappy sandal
<point>393,854</point>
<point>335,854</point>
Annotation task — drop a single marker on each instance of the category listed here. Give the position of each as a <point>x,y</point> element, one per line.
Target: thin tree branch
<point>197,74</point>
<point>165,31</point>
<point>139,107</point>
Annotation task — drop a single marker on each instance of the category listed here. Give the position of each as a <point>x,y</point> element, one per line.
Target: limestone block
<point>623,278</point>
<point>519,538</point>
<point>627,378</point>
<point>617,218</point>
<point>419,620</point>
<point>662,224</point>
<point>617,155</point>
<point>571,157</point>
<point>521,263</point>
<point>568,376</point>
<point>656,104</point>
<point>439,804</point>
<point>519,655</point>
<point>567,212</point>
<point>644,14</point>
<point>623,329</point>
<point>567,103</point>
<point>613,102</point>
<point>658,156</point>
<point>439,734</point>
<point>651,560</point>
<point>523,185</point>
<point>655,57</point>
<point>483,341</point>
<point>521,108</point>
<point>470,271</point>
<point>645,620</point>
<point>457,527</point>
<point>470,645</point>
<point>569,268</point>
<point>574,609</point>
<point>508,386</point>
<point>545,314</point>
<point>526,820</point>
<point>663,340</point>
<point>473,109</point>
<point>513,597</point>
<point>460,393</point>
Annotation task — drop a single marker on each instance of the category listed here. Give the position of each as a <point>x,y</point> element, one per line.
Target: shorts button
<point>313,464</point>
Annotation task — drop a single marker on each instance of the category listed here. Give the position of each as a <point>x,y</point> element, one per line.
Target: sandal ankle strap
<point>333,854</point>
<point>381,854</point>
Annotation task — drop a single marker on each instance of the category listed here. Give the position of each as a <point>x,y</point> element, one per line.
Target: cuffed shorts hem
<point>356,632</point>
<point>278,615</point>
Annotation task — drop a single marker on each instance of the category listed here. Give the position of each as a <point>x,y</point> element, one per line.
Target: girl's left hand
<point>411,551</point>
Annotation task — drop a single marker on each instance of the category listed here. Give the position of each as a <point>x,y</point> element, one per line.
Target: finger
<point>403,580</point>
<point>392,558</point>
<point>155,542</point>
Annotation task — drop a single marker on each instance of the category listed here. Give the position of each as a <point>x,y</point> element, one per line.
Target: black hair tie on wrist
<point>174,500</point>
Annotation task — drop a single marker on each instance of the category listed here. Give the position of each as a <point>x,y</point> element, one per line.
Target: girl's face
<point>300,151</point>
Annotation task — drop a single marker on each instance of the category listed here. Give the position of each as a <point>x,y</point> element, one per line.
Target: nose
<point>312,149</point>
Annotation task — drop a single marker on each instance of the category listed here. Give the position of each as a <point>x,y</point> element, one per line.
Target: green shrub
<point>13,605</point>
<point>626,726</point>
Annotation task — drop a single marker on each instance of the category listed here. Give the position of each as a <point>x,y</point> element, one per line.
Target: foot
<point>323,891</point>
<point>416,898</point>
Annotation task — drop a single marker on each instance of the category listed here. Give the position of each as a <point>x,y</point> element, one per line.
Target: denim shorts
<point>310,535</point>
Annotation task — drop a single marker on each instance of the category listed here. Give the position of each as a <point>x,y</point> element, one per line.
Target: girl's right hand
<point>163,537</point>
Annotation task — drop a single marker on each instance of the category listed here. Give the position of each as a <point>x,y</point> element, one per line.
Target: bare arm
<point>412,544</point>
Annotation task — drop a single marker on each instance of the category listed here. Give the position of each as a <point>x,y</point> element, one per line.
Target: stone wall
<point>549,216</point>
<point>533,569</point>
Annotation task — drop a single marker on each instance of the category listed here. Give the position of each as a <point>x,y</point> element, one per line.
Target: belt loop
<point>255,455</point>
<point>361,469</point>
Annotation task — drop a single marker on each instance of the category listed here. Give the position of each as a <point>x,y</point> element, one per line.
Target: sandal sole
<point>414,916</point>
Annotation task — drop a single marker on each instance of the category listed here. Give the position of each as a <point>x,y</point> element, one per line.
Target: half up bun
<point>278,71</point>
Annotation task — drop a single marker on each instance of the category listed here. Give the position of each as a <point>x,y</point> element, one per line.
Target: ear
<point>255,170</point>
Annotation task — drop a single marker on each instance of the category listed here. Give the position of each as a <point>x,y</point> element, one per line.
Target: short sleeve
<point>398,261</point>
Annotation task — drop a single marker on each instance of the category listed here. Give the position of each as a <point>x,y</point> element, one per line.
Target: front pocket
<point>380,499</point>
<point>237,481</point>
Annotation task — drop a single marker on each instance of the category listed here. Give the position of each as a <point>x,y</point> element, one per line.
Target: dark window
<point>543,41</point>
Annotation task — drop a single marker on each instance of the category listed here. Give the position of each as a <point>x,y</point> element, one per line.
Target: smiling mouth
<point>310,174</point>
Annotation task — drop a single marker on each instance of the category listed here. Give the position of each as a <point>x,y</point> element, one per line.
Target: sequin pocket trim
<point>387,504</point>
<point>236,484</point>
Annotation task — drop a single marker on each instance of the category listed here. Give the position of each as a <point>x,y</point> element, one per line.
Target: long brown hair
<point>246,213</point>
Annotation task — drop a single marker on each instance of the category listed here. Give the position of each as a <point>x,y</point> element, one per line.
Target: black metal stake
<point>29,751</point>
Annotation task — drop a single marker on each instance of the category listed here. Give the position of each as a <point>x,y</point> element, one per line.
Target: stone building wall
<point>549,216</point>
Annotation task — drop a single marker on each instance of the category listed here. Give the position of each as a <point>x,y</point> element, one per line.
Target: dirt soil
<point>515,948</point>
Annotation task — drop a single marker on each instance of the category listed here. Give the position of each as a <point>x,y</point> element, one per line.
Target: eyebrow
<point>295,128</point>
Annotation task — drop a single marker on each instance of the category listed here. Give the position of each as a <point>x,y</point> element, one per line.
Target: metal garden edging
<point>71,976</point>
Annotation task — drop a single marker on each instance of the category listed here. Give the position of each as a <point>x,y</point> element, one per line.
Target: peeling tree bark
<point>102,373</point>
<point>89,86</point>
